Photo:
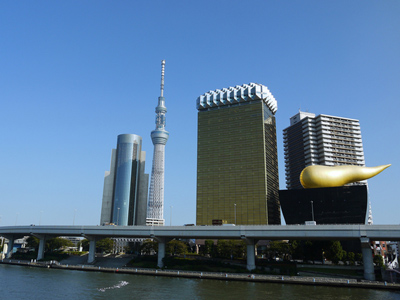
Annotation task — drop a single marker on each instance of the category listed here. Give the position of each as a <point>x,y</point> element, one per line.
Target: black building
<point>337,205</point>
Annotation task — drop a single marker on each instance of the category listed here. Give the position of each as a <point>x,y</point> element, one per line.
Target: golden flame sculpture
<point>331,176</point>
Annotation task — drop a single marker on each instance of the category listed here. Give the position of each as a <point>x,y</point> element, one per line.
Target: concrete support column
<point>251,253</point>
<point>161,252</point>
<point>10,246</point>
<point>369,272</point>
<point>2,247</point>
<point>92,250</point>
<point>42,244</point>
<point>5,248</point>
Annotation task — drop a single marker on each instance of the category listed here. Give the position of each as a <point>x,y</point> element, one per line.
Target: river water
<point>18,282</point>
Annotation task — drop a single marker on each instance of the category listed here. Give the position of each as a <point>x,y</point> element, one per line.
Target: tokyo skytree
<point>159,137</point>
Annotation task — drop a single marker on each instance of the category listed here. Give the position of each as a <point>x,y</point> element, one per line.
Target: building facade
<point>334,205</point>
<point>159,137</point>
<point>320,140</point>
<point>237,167</point>
<point>125,185</point>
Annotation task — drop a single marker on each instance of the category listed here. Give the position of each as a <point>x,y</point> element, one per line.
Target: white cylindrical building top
<point>234,95</point>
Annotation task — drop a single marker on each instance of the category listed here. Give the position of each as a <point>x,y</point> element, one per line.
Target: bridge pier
<point>161,251</point>
<point>42,244</point>
<point>92,249</point>
<point>251,253</point>
<point>369,272</point>
<point>10,245</point>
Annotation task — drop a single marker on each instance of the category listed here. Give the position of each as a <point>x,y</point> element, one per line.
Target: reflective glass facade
<point>126,179</point>
<point>237,167</point>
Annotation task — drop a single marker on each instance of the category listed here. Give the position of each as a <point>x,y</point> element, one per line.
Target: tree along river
<point>18,282</point>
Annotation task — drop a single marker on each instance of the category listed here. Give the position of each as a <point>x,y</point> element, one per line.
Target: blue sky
<point>75,74</point>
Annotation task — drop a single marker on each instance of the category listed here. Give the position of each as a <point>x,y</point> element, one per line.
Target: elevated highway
<point>269,232</point>
<point>250,234</point>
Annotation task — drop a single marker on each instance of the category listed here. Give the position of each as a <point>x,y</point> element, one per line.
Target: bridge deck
<point>270,232</point>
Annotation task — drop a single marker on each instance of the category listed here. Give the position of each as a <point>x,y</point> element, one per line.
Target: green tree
<point>224,249</point>
<point>306,250</point>
<point>334,251</point>
<point>105,245</point>
<point>176,247</point>
<point>231,248</point>
<point>33,242</point>
<point>85,244</point>
<point>240,249</point>
<point>378,260</point>
<point>351,257</point>
<point>344,256</point>
<point>148,247</point>
<point>57,243</point>
<point>279,249</point>
<point>296,249</point>
<point>208,247</point>
<point>359,257</point>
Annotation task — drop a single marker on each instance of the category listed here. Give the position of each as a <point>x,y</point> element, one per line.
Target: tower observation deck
<point>159,137</point>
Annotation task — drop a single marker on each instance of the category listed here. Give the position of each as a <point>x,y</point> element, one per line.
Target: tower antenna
<point>162,77</point>
<point>159,137</point>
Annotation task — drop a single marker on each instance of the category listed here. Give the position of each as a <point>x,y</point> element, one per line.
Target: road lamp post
<point>234,206</point>
<point>118,217</point>
<point>312,210</point>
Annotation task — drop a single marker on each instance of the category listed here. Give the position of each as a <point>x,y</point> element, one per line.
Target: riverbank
<point>306,280</point>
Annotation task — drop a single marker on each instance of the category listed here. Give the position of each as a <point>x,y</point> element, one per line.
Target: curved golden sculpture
<point>331,176</point>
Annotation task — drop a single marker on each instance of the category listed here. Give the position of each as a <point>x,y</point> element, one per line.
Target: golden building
<point>237,166</point>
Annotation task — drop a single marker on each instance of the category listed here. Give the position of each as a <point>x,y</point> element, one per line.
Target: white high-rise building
<point>159,137</point>
<point>320,140</point>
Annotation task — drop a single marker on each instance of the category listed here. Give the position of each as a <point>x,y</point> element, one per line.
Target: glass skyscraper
<point>237,166</point>
<point>125,185</point>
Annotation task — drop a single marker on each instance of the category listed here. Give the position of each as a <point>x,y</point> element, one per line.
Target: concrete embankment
<point>321,281</point>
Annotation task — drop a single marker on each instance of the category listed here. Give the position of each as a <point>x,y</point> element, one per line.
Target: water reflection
<point>34,283</point>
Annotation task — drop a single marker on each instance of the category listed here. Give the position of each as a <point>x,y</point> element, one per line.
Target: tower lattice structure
<point>159,137</point>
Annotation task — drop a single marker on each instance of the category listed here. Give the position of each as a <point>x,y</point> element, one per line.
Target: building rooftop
<point>238,94</point>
